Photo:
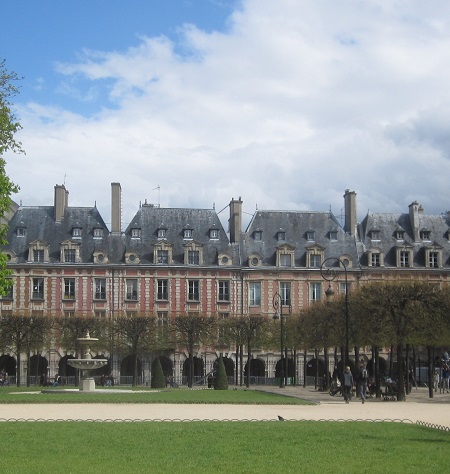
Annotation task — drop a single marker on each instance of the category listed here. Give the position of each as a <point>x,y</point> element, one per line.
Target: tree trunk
<point>135,370</point>
<point>249,355</point>
<point>400,374</point>
<point>241,364</point>
<point>377,372</point>
<point>304,368</point>
<point>430,371</point>
<point>326,376</point>
<point>18,372</point>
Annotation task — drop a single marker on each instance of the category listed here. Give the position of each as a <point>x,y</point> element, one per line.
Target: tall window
<point>38,289</point>
<point>163,256</point>
<point>404,259</point>
<point>285,293</point>
<point>433,260</point>
<point>69,255</point>
<point>69,288</point>
<point>315,291</point>
<point>375,259</point>
<point>285,260</point>
<point>100,289</point>
<point>193,290</point>
<point>315,260</point>
<point>132,292</point>
<point>163,318</point>
<point>163,290</point>
<point>224,290</point>
<point>193,257</point>
<point>38,255</point>
<point>255,293</point>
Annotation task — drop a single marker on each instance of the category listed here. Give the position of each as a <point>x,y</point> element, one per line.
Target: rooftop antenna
<point>64,182</point>
<point>159,192</point>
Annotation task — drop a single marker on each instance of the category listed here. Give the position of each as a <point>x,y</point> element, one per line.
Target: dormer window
<point>310,235</point>
<point>375,234</point>
<point>257,235</point>
<point>162,253</point>
<point>193,254</point>
<point>425,234</point>
<point>213,234</point>
<point>20,232</point>
<point>162,233</point>
<point>135,233</point>
<point>314,256</point>
<point>333,235</point>
<point>76,232</point>
<point>98,233</point>
<point>69,252</point>
<point>281,236</point>
<point>400,235</point>
<point>285,256</point>
<point>38,252</point>
<point>187,234</point>
<point>163,256</point>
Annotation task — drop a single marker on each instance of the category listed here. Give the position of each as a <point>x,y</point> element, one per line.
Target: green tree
<point>9,126</point>
<point>158,379</point>
<point>221,379</point>
<point>190,330</point>
<point>135,333</point>
<point>22,334</point>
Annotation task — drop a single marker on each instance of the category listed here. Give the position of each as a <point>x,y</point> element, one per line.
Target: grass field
<point>213,447</point>
<point>34,395</point>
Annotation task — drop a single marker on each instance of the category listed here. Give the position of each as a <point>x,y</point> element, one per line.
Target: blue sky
<point>285,103</point>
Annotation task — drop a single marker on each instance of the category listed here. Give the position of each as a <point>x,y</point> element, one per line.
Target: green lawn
<point>228,447</point>
<point>240,396</point>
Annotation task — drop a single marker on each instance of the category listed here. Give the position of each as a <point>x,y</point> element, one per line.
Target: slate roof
<point>39,224</point>
<point>296,224</point>
<point>388,225</point>
<point>149,219</point>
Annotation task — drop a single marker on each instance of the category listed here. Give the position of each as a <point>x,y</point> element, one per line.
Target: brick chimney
<point>61,201</point>
<point>350,212</point>
<point>235,221</point>
<point>414,210</point>
<point>116,208</point>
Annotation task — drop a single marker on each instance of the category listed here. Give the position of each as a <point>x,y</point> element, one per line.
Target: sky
<point>190,103</point>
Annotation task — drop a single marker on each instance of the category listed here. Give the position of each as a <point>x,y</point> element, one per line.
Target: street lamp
<point>330,274</point>
<point>278,306</point>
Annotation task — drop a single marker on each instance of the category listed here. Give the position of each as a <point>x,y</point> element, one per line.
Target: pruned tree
<point>190,330</point>
<point>22,334</point>
<point>221,380</point>
<point>135,332</point>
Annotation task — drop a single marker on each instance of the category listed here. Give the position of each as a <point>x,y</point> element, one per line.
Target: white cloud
<point>296,102</point>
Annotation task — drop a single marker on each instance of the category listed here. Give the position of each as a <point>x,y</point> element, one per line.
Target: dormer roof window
<point>400,234</point>
<point>213,234</point>
<point>98,233</point>
<point>257,235</point>
<point>135,233</point>
<point>162,232</point>
<point>425,234</point>
<point>310,236</point>
<point>375,234</point>
<point>76,232</point>
<point>20,231</point>
<point>187,233</point>
<point>281,236</point>
<point>333,234</point>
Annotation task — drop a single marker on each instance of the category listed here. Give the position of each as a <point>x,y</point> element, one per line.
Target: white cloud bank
<point>295,103</point>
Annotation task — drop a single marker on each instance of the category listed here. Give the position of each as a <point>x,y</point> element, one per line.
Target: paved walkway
<point>418,407</point>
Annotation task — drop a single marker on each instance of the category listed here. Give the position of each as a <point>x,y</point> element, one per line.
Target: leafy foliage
<point>221,380</point>
<point>158,379</point>
<point>9,126</point>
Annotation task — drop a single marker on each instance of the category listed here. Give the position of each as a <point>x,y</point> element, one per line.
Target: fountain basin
<point>89,364</point>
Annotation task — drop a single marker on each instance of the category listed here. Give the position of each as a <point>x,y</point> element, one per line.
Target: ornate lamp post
<point>330,274</point>
<point>278,307</point>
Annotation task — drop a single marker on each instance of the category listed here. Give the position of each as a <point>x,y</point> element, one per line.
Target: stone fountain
<point>87,363</point>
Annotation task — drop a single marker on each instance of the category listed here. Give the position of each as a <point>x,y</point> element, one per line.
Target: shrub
<point>158,379</point>
<point>221,380</point>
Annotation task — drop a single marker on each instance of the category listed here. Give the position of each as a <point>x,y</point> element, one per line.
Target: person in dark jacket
<point>348,384</point>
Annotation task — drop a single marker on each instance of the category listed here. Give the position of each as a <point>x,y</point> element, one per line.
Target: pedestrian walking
<point>348,384</point>
<point>363,377</point>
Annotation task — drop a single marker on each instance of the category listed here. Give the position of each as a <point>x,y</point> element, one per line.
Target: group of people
<point>361,380</point>
<point>442,377</point>
<point>107,380</point>
<point>45,382</point>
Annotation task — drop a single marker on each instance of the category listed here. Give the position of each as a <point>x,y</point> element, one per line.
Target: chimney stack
<point>116,208</point>
<point>350,212</point>
<point>414,211</point>
<point>235,221</point>
<point>61,201</point>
